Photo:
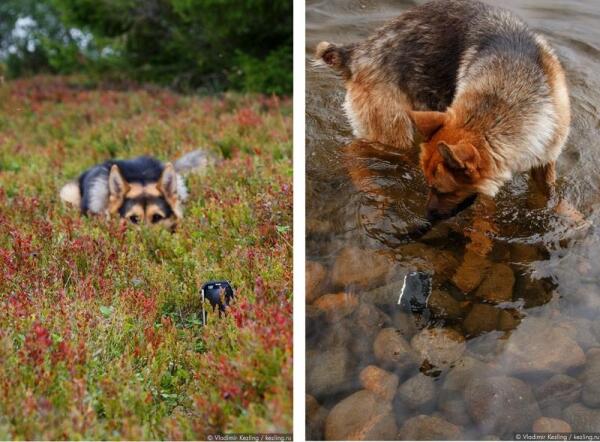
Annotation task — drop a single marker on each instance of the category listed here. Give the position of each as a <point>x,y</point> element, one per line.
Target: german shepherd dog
<point>487,95</point>
<point>140,190</point>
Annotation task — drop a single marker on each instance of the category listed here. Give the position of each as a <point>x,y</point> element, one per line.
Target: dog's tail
<point>336,57</point>
<point>194,162</point>
<point>70,193</point>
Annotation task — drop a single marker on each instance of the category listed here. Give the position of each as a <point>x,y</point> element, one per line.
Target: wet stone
<point>439,347</point>
<point>590,378</point>
<point>453,408</point>
<point>508,320</point>
<point>405,323</point>
<point>418,392</point>
<point>424,427</point>
<point>328,372</point>
<point>482,318</point>
<point>524,253</point>
<point>315,419</point>
<point>551,425</point>
<point>370,320</point>
<point>381,382</point>
<point>315,279</point>
<point>501,404</point>
<point>442,305</point>
<point>463,372</point>
<point>392,350</point>
<point>498,284</point>
<point>582,418</point>
<point>359,267</point>
<point>337,305</point>
<point>539,346</point>
<point>361,416</point>
<point>559,389</point>
<point>580,330</point>
<point>471,272</point>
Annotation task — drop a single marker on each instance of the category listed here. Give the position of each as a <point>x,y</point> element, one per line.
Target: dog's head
<point>155,203</point>
<point>451,162</point>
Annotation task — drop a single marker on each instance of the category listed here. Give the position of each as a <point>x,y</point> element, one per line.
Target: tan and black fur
<point>141,190</point>
<point>487,95</point>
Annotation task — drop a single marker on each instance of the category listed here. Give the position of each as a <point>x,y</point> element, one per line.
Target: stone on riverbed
<point>361,416</point>
<point>498,284</point>
<point>582,418</point>
<point>418,392</point>
<point>359,267</point>
<point>392,350</point>
<point>590,377</point>
<point>424,427</point>
<point>315,418</point>
<point>501,404</point>
<point>537,345</point>
<point>328,372</point>
<point>556,393</point>
<point>482,318</point>
<point>442,305</point>
<point>381,382</point>
<point>471,272</point>
<point>440,347</point>
<point>337,305</point>
<point>550,425</point>
<point>315,278</point>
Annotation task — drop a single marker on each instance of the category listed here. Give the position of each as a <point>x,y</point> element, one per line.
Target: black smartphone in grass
<point>219,294</point>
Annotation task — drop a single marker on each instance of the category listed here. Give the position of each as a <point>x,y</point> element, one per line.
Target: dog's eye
<point>134,219</point>
<point>156,218</point>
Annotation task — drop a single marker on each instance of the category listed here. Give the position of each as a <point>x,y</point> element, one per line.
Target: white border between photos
<point>299,170</point>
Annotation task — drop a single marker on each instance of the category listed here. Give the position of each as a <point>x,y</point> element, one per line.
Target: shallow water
<point>363,199</point>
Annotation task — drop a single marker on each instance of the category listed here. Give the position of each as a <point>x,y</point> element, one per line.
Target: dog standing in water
<point>487,95</point>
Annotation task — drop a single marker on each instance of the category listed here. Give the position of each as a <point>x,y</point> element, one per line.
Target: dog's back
<point>430,54</point>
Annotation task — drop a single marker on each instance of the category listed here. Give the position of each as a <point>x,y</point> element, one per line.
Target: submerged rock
<point>391,349</point>
<point>315,279</point>
<point>315,419</point>
<point>471,272</point>
<point>498,284</point>
<point>337,305</point>
<point>361,416</point>
<point>440,347</point>
<point>381,382</point>
<point>453,407</point>
<point>418,392</point>
<point>482,318</point>
<point>582,418</point>
<point>590,377</point>
<point>550,425</point>
<point>539,346</point>
<point>501,404</point>
<point>466,369</point>
<point>560,390</point>
<point>328,372</point>
<point>370,320</point>
<point>442,305</point>
<point>429,428</point>
<point>359,267</point>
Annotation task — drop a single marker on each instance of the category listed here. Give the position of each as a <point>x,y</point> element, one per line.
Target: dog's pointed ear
<point>168,183</point>
<point>428,122</point>
<point>462,156</point>
<point>117,186</point>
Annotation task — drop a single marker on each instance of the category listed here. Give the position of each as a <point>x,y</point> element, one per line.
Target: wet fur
<point>488,88</point>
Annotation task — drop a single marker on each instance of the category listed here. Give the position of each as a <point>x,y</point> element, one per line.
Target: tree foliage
<point>187,44</point>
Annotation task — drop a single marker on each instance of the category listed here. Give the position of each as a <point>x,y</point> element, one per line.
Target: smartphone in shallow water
<point>415,292</point>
